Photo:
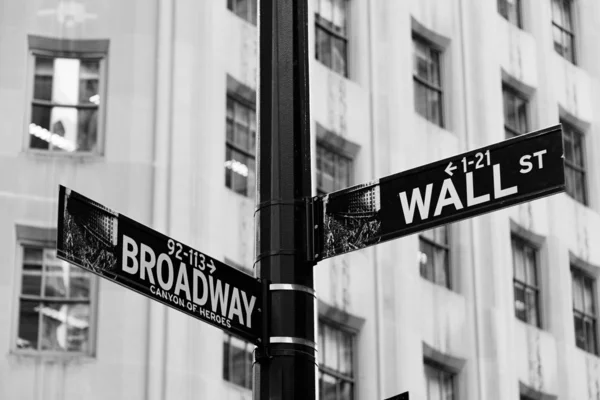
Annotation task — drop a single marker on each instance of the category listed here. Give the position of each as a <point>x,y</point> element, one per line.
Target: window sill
<point>52,357</point>
<point>75,156</point>
<point>328,68</point>
<point>237,387</point>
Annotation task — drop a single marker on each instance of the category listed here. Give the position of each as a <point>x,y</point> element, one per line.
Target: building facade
<point>149,108</point>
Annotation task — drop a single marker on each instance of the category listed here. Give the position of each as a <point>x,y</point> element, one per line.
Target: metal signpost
<point>124,251</point>
<point>469,184</point>
<point>294,231</point>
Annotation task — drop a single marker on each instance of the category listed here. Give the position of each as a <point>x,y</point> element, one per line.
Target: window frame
<point>444,247</point>
<point>230,145</point>
<point>503,5</point>
<point>337,155</point>
<point>252,17</point>
<point>570,33</point>
<point>440,370</point>
<point>527,286</point>
<point>247,372</point>
<point>438,51</point>
<point>71,49</point>
<point>93,305</point>
<point>569,133</point>
<point>326,370</point>
<point>325,25</point>
<point>578,272</point>
<point>511,131</point>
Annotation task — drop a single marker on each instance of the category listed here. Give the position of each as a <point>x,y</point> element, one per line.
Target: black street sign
<point>401,396</point>
<point>124,251</point>
<point>473,183</point>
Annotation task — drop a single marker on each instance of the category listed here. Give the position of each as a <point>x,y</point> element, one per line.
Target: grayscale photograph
<point>299,200</point>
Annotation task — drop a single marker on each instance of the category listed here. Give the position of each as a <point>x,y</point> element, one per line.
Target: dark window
<point>515,113</point>
<point>562,27</point>
<point>54,304</point>
<point>331,36</point>
<point>65,104</point>
<point>245,9</point>
<point>584,311</point>
<point>511,10</point>
<point>336,367</point>
<point>240,175</point>
<point>440,383</point>
<point>433,256</point>
<point>333,170</point>
<point>237,361</point>
<point>525,281</point>
<point>427,81</point>
<point>574,163</point>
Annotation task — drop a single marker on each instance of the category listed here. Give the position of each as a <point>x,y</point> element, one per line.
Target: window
<point>574,163</point>
<point>515,113</point>
<point>511,10</point>
<point>336,368</point>
<point>240,175</point>
<point>333,170</point>
<point>427,81</point>
<point>55,304</point>
<point>562,28</point>
<point>67,95</point>
<point>331,34</point>
<point>245,9</point>
<point>237,361</point>
<point>525,281</point>
<point>433,256</point>
<point>440,383</point>
<point>584,311</point>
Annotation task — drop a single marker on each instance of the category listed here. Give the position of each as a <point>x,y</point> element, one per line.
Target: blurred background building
<point>149,107</point>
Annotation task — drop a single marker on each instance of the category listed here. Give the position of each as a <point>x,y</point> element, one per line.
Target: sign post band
<point>126,252</point>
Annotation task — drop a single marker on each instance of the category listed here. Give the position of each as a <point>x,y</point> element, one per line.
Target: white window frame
<point>40,238</point>
<point>76,49</point>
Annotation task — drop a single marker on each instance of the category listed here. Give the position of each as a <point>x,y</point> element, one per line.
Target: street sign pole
<point>285,365</point>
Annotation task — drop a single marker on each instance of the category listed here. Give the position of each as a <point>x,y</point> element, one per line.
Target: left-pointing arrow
<point>449,169</point>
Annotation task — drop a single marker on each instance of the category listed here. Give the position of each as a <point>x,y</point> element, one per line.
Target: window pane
<point>239,170</point>
<point>65,89</point>
<point>323,41</point>
<point>339,16</point>
<point>28,325</point>
<point>326,9</point>
<point>238,361</point>
<point>31,284</point>
<point>426,260</point>
<point>331,348</point>
<point>532,307</point>
<point>580,339</point>
<point>590,333</point>
<point>339,56</point>
<point>518,261</point>
<point>64,122</point>
<point>577,289</point>
<point>64,327</point>
<point>327,387</point>
<point>226,363</point>
<point>89,79</point>
<point>441,267</point>
<point>588,297</point>
<point>79,284</point>
<point>421,101</point>
<point>577,149</point>
<point>435,104</point>
<point>530,265</point>
<point>56,281</point>
<point>44,71</point>
<point>345,354</point>
<point>345,390</point>
<point>87,134</point>
<point>520,307</point>
<point>39,129</point>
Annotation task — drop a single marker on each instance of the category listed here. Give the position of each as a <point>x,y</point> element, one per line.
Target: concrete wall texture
<point>163,141</point>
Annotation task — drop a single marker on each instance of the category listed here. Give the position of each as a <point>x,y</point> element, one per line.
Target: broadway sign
<point>473,183</point>
<point>120,249</point>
